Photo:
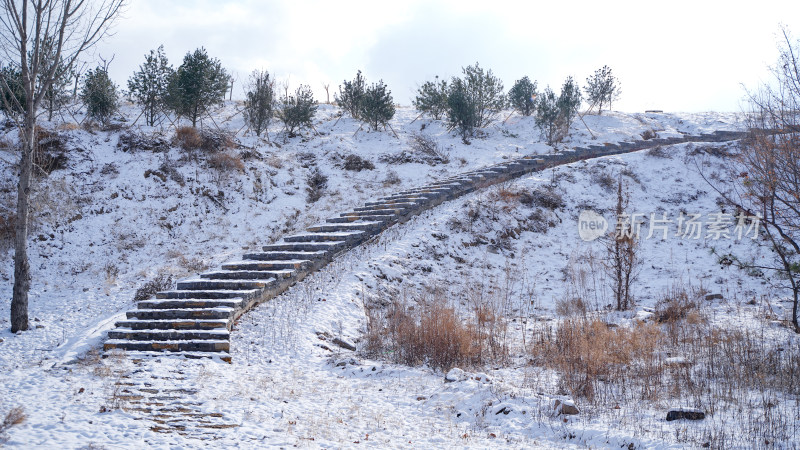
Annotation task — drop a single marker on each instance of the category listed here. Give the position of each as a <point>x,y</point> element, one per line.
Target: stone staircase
<point>195,319</point>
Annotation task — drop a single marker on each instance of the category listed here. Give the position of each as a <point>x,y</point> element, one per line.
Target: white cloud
<point>676,55</point>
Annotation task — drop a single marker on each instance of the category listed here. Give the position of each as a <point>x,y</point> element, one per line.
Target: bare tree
<point>72,26</point>
<point>327,87</point>
<point>765,174</point>
<point>622,259</point>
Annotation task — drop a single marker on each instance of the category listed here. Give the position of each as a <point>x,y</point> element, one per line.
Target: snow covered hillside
<point>116,217</point>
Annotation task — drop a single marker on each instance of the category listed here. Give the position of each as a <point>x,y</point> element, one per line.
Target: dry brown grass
<point>588,352</point>
<point>210,141</point>
<point>224,162</point>
<point>432,332</point>
<point>188,138</point>
<point>15,416</point>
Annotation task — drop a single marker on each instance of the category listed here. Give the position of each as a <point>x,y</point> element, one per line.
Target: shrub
<point>162,282</point>
<point>429,148</point>
<point>474,100</point>
<point>210,141</point>
<point>199,83</point>
<point>588,352</point>
<point>99,95</point>
<point>431,332</point>
<point>132,141</point>
<point>259,102</point>
<point>317,183</point>
<point>224,162</point>
<point>377,105</point>
<point>357,163</point>
<point>148,87</point>
<point>431,98</point>
<point>188,138</point>
<point>297,112</point>
<point>649,134</point>
<point>602,88</point>
<point>522,96</point>
<point>351,94</point>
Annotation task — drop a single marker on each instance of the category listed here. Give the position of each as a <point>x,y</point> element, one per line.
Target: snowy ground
<point>104,228</point>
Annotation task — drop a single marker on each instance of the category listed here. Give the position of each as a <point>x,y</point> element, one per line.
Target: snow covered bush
<point>297,111</point>
<point>522,96</point>
<point>162,282</point>
<point>431,98</point>
<point>99,95</point>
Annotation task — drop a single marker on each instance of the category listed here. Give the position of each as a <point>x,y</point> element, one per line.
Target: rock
<point>685,413</point>
<point>567,407</point>
<point>710,297</point>
<point>344,344</point>
<point>677,361</point>
<point>455,374</point>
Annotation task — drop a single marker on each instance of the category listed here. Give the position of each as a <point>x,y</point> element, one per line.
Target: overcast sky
<point>670,55</point>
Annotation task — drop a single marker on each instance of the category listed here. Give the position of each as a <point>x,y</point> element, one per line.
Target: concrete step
<point>254,265</point>
<point>138,354</point>
<point>197,284</point>
<point>248,274</point>
<point>244,294</point>
<point>398,201</point>
<point>205,345</point>
<point>329,246</point>
<point>397,207</point>
<point>370,215</point>
<point>385,218</point>
<point>281,255</point>
<point>338,236</point>
<point>198,324</point>
<point>406,198</point>
<point>130,334</point>
<point>220,312</point>
<point>190,303</point>
<point>363,225</point>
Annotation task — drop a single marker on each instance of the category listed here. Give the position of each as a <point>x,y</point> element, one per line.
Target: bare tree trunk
<point>22,269</point>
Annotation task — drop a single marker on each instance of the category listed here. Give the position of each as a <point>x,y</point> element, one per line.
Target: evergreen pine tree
<point>432,98</point>
<point>377,105</point>
<point>522,96</point>
<point>57,95</point>
<point>99,95</point>
<point>569,101</point>
<point>260,101</point>
<point>12,95</point>
<point>474,101</point>
<point>351,94</point>
<point>297,111</point>
<point>148,86</point>
<point>199,83</point>
<point>602,88</point>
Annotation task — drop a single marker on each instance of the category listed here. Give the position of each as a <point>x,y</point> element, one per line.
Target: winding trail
<point>195,319</point>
